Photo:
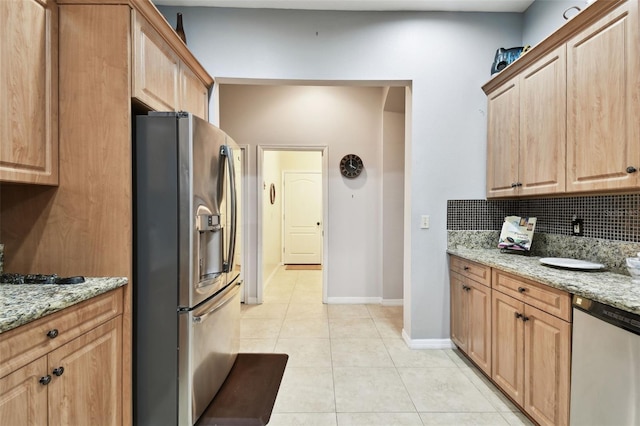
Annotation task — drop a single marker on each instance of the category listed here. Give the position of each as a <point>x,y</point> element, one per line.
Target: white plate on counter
<point>563,262</point>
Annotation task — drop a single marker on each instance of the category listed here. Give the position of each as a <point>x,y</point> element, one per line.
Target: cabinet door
<point>479,343</point>
<point>194,95</point>
<point>543,125</point>
<point>23,399</point>
<point>29,87</point>
<point>507,357</point>
<point>546,367</point>
<point>89,391</point>
<point>503,140</point>
<point>459,312</point>
<point>603,92</point>
<point>156,68</point>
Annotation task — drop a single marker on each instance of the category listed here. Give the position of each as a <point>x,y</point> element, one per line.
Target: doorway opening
<point>292,212</point>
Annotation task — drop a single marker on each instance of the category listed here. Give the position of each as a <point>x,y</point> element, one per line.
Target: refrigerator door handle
<point>228,297</point>
<point>226,151</point>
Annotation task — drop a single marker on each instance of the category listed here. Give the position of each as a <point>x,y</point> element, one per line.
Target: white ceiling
<point>376,5</point>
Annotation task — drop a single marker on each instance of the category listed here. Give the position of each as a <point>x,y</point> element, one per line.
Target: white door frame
<point>244,269</point>
<point>324,150</point>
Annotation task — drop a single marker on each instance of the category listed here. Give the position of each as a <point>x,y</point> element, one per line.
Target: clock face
<point>351,166</point>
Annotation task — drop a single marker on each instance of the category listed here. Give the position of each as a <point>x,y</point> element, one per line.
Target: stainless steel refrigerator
<point>186,284</point>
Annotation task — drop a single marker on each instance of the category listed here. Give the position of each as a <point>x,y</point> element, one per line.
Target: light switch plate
<point>424,221</point>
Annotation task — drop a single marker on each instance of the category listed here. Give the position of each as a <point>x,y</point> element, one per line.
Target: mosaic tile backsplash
<point>610,217</point>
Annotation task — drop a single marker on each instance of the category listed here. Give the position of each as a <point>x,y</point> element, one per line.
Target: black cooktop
<point>38,279</point>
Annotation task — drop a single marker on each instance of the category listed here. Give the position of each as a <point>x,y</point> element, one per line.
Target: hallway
<point>348,364</point>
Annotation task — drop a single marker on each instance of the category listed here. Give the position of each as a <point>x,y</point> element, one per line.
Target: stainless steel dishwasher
<point>605,371</point>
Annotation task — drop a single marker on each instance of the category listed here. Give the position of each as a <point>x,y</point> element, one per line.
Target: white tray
<point>562,262</point>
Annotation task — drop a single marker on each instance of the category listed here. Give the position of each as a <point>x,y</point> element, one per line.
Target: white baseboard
<point>392,302</point>
<point>354,300</point>
<point>426,343</point>
<point>268,281</point>
<point>251,301</point>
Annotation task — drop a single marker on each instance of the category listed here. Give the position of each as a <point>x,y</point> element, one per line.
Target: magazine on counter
<point>517,233</point>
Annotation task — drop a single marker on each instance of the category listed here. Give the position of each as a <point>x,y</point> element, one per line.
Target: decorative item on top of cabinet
<point>471,310</point>
<point>29,87</point>
<point>180,28</point>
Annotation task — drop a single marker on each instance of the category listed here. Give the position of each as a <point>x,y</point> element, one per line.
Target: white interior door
<point>302,218</point>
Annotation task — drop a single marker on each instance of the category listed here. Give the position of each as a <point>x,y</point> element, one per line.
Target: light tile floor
<point>348,365</point>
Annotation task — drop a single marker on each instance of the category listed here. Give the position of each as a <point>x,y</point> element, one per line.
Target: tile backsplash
<point>610,217</point>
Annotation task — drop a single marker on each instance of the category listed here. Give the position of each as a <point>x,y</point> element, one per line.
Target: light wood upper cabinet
<point>542,126</point>
<point>156,68</point>
<point>579,103</point>
<point>503,140</point>
<point>160,79</point>
<point>603,103</point>
<point>29,87</point>
<point>526,128</point>
<point>194,95</point>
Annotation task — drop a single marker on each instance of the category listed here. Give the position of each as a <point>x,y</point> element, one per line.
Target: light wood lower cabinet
<point>471,319</point>
<point>518,332</point>
<point>531,358</point>
<point>79,382</point>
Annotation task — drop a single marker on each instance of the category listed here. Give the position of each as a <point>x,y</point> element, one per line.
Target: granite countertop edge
<point>21,304</point>
<point>606,287</point>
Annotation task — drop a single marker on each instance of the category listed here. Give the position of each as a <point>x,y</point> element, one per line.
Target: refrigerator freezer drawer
<point>212,332</point>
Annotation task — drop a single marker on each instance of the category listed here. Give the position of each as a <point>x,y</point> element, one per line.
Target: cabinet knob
<point>45,380</point>
<point>631,169</point>
<point>466,268</point>
<point>52,334</point>
<point>513,185</point>
<point>525,318</point>
<point>518,315</point>
<point>58,371</point>
<point>521,289</point>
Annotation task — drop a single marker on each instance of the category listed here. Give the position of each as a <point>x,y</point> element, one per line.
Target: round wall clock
<point>351,166</point>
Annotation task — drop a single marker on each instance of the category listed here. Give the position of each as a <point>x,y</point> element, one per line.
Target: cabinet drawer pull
<point>52,334</point>
<point>45,380</point>
<point>466,268</point>
<point>521,289</point>
<point>518,315</point>
<point>631,169</point>
<point>58,371</point>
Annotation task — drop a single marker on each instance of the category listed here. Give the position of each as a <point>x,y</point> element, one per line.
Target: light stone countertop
<point>23,303</point>
<point>602,286</point>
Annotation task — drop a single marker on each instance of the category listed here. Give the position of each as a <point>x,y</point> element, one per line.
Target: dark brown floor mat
<point>249,392</point>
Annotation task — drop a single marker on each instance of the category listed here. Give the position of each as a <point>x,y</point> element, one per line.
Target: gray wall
<point>446,56</point>
<point>543,17</point>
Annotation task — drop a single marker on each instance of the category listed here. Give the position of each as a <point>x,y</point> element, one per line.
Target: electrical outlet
<point>424,221</point>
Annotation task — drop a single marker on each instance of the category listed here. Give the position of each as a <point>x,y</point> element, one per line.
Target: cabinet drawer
<point>22,345</point>
<point>548,299</point>
<point>473,270</point>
